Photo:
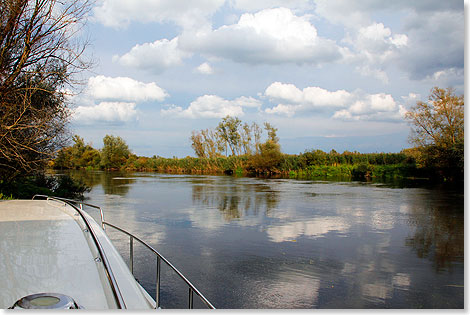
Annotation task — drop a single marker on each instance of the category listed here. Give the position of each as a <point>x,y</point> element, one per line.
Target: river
<point>284,243</point>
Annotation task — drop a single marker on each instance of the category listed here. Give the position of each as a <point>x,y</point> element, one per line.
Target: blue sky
<point>329,74</point>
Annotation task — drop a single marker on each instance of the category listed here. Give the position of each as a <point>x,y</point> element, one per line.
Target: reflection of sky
<point>352,236</point>
<point>289,288</point>
<point>311,228</point>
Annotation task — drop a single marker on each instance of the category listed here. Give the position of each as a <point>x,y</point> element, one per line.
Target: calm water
<point>282,243</point>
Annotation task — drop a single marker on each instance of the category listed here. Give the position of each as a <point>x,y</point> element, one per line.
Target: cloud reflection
<point>312,228</point>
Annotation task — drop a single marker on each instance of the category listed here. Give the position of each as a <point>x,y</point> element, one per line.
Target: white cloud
<point>187,14</point>
<point>156,56</point>
<point>432,32</point>
<point>107,112</point>
<point>271,36</point>
<point>354,14</point>
<point>253,6</point>
<point>282,109</point>
<point>313,228</point>
<point>212,106</point>
<point>309,97</point>
<point>344,105</point>
<point>113,100</point>
<point>124,89</point>
<point>372,48</point>
<point>205,68</point>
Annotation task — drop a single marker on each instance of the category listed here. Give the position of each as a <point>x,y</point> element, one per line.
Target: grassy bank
<point>312,164</point>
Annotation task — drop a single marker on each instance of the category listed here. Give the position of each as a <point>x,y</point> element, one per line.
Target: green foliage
<point>228,129</point>
<point>77,156</point>
<point>268,160</point>
<point>26,187</point>
<point>5,197</point>
<point>115,152</point>
<point>230,136</point>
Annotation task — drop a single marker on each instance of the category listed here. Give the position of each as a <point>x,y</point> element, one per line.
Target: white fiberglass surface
<point>44,249</point>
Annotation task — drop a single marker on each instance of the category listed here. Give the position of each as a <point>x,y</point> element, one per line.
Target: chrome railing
<point>191,288</point>
<point>79,203</point>
<point>117,294</point>
<point>109,273</point>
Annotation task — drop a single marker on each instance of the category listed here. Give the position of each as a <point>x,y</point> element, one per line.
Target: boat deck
<point>45,246</point>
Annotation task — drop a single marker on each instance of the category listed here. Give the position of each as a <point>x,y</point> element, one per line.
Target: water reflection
<point>311,228</point>
<point>277,243</point>
<point>115,183</point>
<point>438,232</point>
<point>235,199</point>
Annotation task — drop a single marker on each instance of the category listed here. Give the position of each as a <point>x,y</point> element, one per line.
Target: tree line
<point>231,136</point>
<point>234,146</point>
<point>268,160</point>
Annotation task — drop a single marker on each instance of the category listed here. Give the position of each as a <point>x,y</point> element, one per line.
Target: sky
<point>329,74</point>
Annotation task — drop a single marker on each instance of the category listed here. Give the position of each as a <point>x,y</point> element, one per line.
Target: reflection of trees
<point>439,233</point>
<point>235,199</point>
<point>113,183</point>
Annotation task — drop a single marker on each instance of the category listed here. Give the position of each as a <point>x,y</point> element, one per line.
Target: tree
<point>246,139</point>
<point>438,132</point>
<point>40,52</point>
<point>115,152</point>
<point>272,132</point>
<point>197,143</point>
<point>228,131</point>
<point>269,158</point>
<point>257,131</point>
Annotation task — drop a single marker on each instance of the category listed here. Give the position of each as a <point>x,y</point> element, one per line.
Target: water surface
<point>283,243</point>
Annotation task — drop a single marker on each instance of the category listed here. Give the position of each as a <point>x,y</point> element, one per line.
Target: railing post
<point>131,254</point>
<point>190,298</point>
<point>157,287</point>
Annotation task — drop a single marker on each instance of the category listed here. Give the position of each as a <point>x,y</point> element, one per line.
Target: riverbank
<point>309,165</point>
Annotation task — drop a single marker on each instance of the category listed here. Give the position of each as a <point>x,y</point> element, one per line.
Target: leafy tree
<point>438,132</point>
<point>39,54</point>
<point>269,158</point>
<point>213,143</point>
<point>228,131</point>
<point>257,131</point>
<point>115,152</point>
<point>272,132</point>
<point>197,143</point>
<point>246,138</point>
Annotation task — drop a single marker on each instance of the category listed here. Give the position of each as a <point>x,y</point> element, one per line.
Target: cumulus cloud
<point>205,68</point>
<point>271,36</point>
<point>357,13</point>
<point>156,56</point>
<point>253,6</point>
<point>113,100</point>
<point>187,14</point>
<point>213,106</point>
<point>107,112</point>
<point>344,105</point>
<point>124,89</point>
<point>372,47</point>
<point>432,32</point>
<point>308,97</point>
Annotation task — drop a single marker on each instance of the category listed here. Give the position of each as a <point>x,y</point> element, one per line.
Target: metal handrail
<point>109,274</point>
<point>77,202</point>
<point>192,289</point>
